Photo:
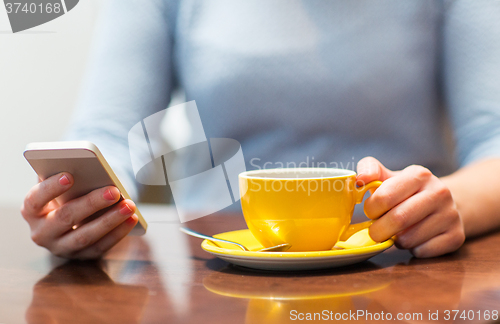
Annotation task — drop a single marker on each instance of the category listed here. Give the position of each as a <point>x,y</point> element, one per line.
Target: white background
<point>40,74</point>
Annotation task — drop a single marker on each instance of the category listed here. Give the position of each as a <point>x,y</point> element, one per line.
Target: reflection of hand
<point>81,292</point>
<point>414,205</point>
<point>68,230</point>
<point>407,295</point>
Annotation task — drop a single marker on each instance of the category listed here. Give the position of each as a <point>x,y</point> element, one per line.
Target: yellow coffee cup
<point>309,208</point>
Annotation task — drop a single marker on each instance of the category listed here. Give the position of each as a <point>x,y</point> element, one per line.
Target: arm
<point>428,215</point>
<point>475,190</point>
<point>129,78</point>
<point>471,75</point>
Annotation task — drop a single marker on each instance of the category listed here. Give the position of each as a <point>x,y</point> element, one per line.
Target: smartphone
<point>87,165</point>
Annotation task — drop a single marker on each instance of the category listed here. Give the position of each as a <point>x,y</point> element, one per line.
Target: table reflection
<point>83,292</point>
<point>288,297</point>
<point>418,289</point>
<point>283,297</point>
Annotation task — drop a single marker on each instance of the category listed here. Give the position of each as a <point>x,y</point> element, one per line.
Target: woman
<point>289,80</point>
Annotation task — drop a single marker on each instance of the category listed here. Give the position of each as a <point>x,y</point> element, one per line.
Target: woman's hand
<point>414,205</point>
<point>68,230</point>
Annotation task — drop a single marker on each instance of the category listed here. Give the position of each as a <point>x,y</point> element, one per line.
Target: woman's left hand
<point>415,206</point>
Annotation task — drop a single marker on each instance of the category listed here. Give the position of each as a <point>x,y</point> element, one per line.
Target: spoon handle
<point>210,238</point>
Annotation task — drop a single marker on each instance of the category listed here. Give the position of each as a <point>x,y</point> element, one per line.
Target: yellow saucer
<point>357,249</point>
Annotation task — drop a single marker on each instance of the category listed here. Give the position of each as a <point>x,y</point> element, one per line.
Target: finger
<point>44,192</point>
<point>396,190</point>
<point>73,212</point>
<point>370,169</point>
<point>89,233</point>
<point>426,229</point>
<point>100,247</point>
<point>445,243</point>
<point>404,215</point>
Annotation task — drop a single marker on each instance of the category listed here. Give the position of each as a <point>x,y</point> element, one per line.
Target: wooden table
<point>165,276</point>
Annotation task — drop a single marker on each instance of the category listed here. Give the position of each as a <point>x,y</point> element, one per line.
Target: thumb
<point>370,169</point>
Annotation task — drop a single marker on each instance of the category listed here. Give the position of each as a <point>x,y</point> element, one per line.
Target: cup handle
<point>359,193</point>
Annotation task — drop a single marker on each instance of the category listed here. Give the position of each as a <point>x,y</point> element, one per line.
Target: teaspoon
<point>277,248</point>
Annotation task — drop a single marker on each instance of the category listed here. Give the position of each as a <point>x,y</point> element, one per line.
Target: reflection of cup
<point>284,299</point>
<point>309,208</point>
<point>316,310</point>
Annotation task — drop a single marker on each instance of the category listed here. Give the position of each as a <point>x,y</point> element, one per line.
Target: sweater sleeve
<point>129,77</point>
<point>471,53</point>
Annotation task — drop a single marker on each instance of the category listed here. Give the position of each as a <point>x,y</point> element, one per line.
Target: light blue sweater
<point>294,81</point>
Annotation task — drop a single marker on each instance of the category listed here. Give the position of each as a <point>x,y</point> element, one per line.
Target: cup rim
<point>249,174</point>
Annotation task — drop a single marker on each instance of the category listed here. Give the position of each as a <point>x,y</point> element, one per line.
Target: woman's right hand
<point>68,230</point>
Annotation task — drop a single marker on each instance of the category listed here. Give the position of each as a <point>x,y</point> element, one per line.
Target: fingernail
<point>64,180</point>
<point>132,219</point>
<point>108,195</point>
<point>125,210</point>
<point>359,182</point>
